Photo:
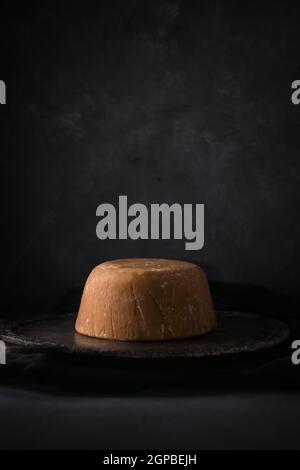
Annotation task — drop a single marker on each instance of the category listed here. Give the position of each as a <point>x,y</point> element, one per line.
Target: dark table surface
<point>59,401</point>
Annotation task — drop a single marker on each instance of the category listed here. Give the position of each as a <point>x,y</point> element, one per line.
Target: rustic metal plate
<point>237,332</point>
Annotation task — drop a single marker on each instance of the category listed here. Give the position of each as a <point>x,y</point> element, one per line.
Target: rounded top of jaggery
<point>145,265</point>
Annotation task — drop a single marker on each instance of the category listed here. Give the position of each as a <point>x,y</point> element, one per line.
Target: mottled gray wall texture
<point>163,101</point>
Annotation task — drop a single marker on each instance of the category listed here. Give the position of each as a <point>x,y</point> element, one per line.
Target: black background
<point>164,101</point>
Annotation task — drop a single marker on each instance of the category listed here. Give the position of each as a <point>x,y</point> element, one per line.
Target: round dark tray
<point>237,332</point>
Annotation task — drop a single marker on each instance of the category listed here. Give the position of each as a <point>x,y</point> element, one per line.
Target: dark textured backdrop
<point>165,101</point>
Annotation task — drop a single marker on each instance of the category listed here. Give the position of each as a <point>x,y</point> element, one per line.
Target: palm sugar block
<point>146,300</point>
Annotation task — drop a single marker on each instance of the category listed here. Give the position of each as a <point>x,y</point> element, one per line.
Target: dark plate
<point>237,332</point>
